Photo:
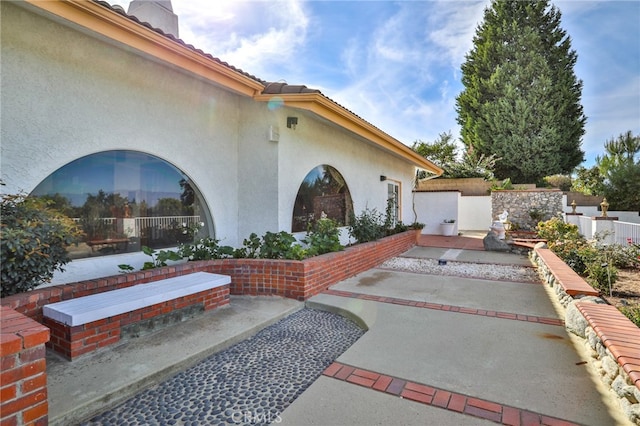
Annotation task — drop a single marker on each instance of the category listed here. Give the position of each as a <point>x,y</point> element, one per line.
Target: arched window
<point>125,200</point>
<point>323,192</point>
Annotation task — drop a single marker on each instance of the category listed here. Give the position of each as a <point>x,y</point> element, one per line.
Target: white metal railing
<point>105,220</point>
<point>152,227</point>
<point>156,227</point>
<point>585,226</point>
<point>626,232</point>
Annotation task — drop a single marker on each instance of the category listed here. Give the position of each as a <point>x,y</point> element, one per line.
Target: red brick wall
<point>23,377</point>
<point>79,340</point>
<point>287,278</point>
<point>23,388</point>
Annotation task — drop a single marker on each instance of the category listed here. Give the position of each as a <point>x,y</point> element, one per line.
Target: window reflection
<point>323,192</point>
<point>125,200</point>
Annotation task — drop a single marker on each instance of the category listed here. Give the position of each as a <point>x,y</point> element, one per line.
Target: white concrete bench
<point>87,323</point>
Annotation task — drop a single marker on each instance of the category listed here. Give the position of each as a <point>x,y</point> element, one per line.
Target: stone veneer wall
<point>519,204</point>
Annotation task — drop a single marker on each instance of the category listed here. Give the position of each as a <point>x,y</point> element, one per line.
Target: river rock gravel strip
<point>463,269</point>
<point>251,382</point>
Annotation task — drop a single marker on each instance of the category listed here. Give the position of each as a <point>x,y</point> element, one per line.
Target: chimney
<point>158,13</point>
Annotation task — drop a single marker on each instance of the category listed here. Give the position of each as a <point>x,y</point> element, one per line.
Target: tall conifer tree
<point>521,99</point>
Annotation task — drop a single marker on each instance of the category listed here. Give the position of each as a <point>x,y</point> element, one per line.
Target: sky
<point>396,64</point>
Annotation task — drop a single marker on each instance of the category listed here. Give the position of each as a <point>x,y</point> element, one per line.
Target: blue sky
<point>397,64</point>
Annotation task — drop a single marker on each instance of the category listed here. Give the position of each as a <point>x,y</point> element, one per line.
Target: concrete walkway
<point>438,351</point>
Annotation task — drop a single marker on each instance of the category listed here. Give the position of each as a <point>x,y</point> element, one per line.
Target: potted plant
<point>448,227</point>
<point>418,226</point>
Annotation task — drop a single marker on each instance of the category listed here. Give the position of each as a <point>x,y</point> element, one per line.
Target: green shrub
<point>323,237</point>
<point>624,257</point>
<point>280,245</point>
<point>34,242</point>
<point>368,226</point>
<point>158,258</point>
<point>557,230</point>
<point>205,249</point>
<point>601,275</point>
<point>250,248</point>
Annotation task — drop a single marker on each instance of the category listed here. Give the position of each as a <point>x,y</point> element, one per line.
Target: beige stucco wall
<point>66,94</point>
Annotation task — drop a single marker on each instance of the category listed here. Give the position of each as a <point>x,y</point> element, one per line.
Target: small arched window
<point>125,200</point>
<point>323,192</point>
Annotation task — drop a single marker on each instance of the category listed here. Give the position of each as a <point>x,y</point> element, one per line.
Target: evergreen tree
<point>521,100</point>
<point>620,167</point>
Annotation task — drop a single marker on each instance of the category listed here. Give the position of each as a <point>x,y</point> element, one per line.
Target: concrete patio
<point>439,350</point>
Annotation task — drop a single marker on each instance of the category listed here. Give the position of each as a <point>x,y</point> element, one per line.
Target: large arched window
<point>323,192</point>
<point>125,200</point>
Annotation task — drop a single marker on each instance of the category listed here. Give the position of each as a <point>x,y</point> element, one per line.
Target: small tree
<point>34,242</point>
<point>620,167</point>
<point>441,152</point>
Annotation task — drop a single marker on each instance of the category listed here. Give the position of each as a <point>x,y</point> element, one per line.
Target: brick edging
<point>447,308</point>
<point>441,398</point>
<point>618,334</point>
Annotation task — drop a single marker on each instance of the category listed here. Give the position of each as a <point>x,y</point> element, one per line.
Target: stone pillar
<point>604,226</point>
<point>573,218</point>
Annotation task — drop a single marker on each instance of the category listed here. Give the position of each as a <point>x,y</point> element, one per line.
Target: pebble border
<point>447,308</point>
<point>251,382</point>
<point>441,398</point>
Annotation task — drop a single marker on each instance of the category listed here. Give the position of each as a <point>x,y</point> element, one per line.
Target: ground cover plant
<point>614,269</point>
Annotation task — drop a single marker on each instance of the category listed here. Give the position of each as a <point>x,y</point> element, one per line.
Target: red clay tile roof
<point>280,88</point>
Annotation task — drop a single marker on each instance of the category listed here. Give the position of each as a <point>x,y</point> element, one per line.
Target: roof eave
<point>326,108</point>
<point>107,23</point>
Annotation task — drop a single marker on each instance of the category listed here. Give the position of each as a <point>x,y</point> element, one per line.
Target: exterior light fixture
<point>383,178</point>
<point>292,122</point>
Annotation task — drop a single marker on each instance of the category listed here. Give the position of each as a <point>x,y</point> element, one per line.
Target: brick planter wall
<point>287,278</point>
<point>23,378</point>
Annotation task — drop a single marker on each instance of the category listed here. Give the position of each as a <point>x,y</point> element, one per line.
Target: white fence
<point>585,225</point>
<point>626,232</point>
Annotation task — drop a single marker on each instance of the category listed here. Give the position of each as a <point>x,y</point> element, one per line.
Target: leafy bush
<point>561,182</point>
<point>158,258</point>
<point>623,257</point>
<point>205,249</point>
<point>557,230</point>
<point>34,242</point>
<point>323,237</point>
<point>368,226</point>
<point>281,245</point>
<point>601,275</point>
<point>594,261</point>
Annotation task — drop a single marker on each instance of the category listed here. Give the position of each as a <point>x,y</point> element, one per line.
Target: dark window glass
<point>125,200</point>
<point>322,193</point>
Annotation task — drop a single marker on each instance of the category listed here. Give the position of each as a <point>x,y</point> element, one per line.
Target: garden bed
<point>626,289</point>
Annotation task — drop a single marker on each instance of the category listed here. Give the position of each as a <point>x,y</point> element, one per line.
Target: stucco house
<point>141,136</point>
